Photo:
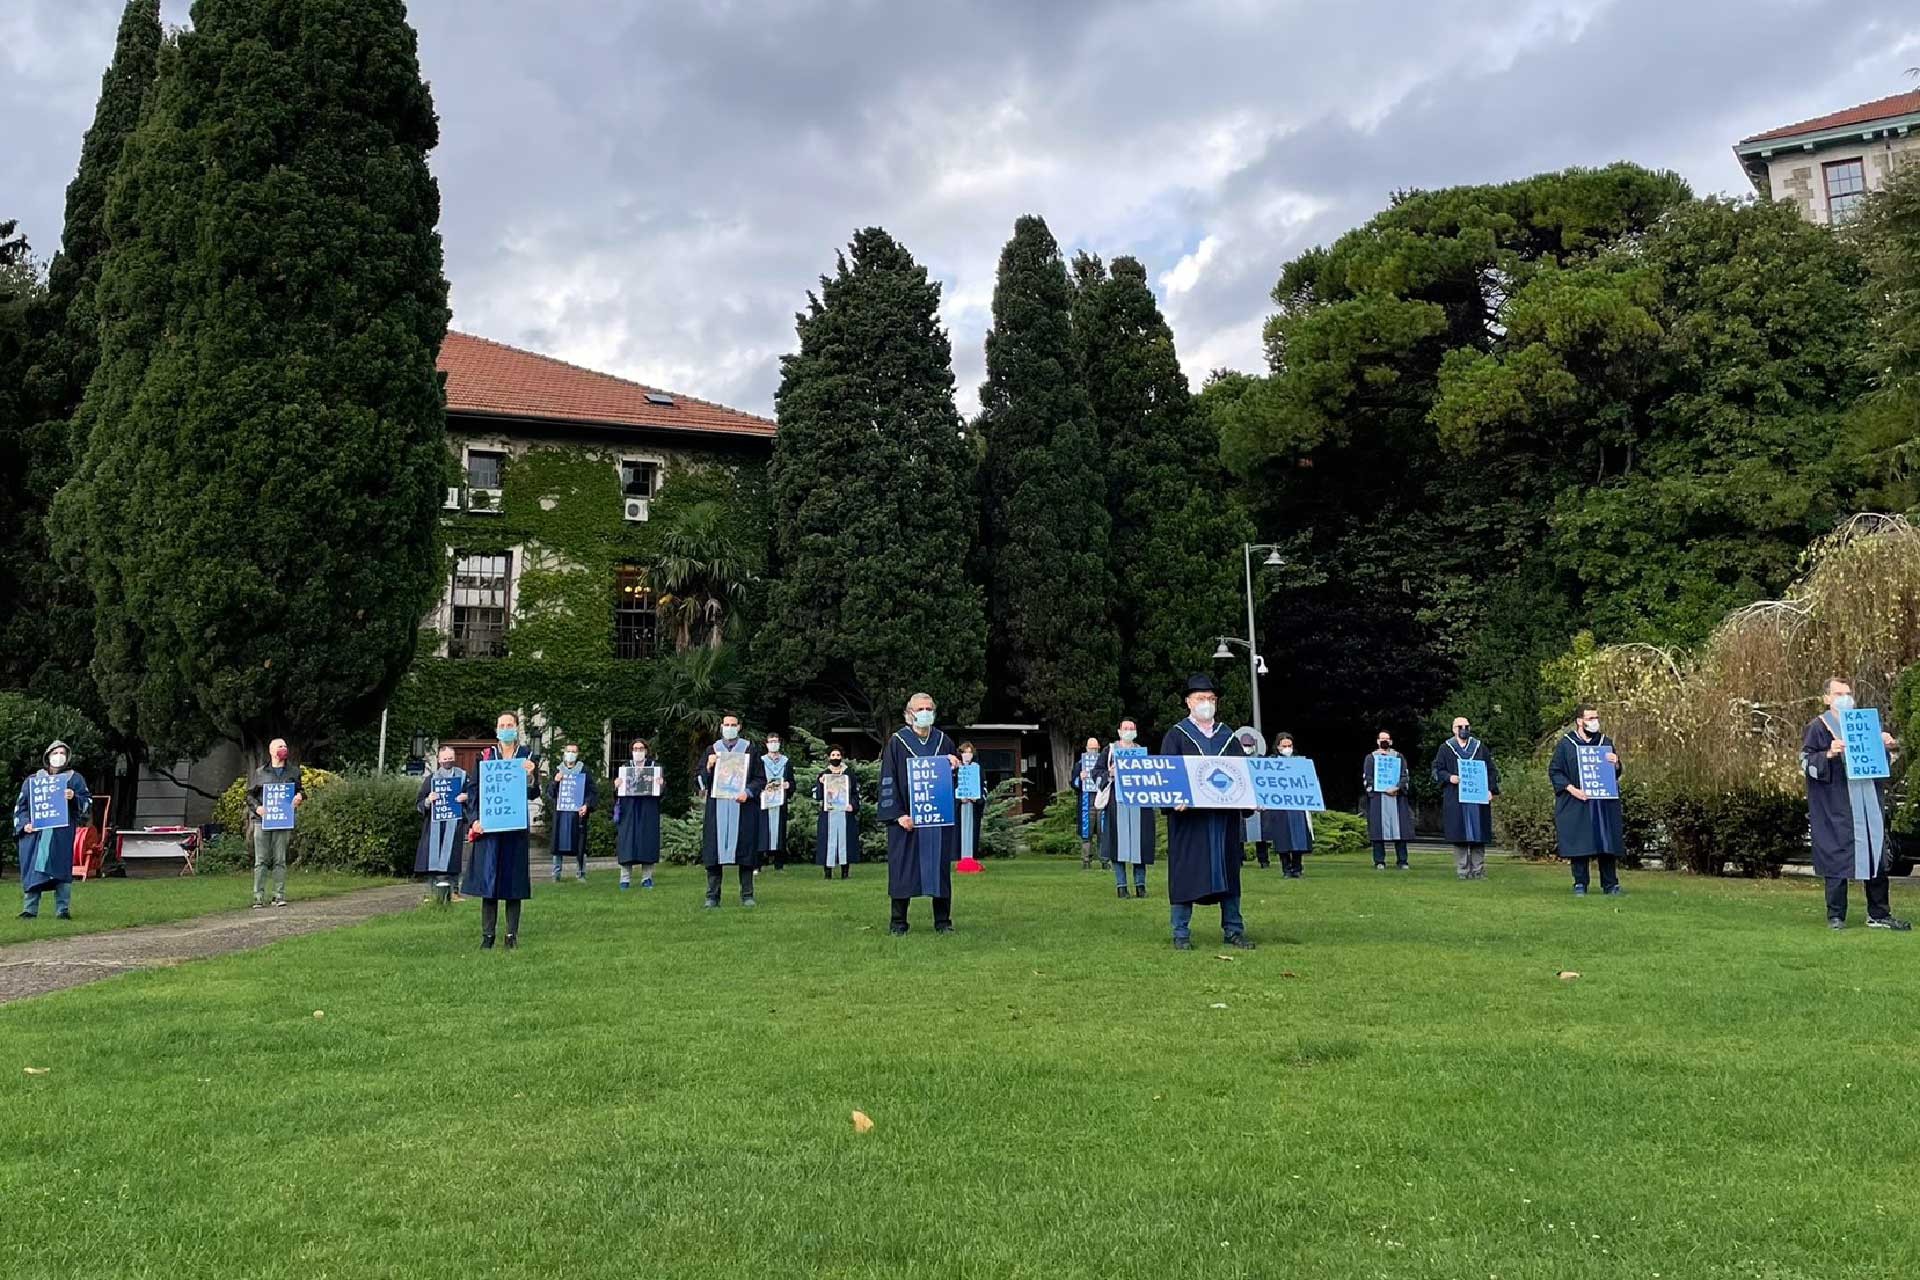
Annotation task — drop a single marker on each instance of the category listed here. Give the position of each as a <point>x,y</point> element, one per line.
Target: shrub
<point>1056,832</point>
<point>1523,815</point>
<point>1337,831</point>
<point>230,810</point>
<point>1753,830</point>
<point>226,852</point>
<point>365,823</point>
<point>28,725</point>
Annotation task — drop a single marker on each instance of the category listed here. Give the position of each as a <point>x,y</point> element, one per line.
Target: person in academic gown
<point>773,822</point>
<point>636,824</point>
<point>570,825</point>
<point>46,856</point>
<point>1089,780</point>
<point>730,830</point>
<point>836,835</point>
<point>437,855</point>
<point>1389,815</point>
<point>1848,816</point>
<point>497,868</point>
<point>1128,835</point>
<point>1589,827</point>
<point>919,862</point>
<point>1204,846</point>
<point>1468,826</point>
<point>1288,832</point>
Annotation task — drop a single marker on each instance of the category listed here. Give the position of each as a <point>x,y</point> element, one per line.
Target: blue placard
<point>503,794</point>
<point>1473,782</point>
<point>1866,753</point>
<point>1152,782</point>
<point>968,787</point>
<point>570,791</point>
<point>1386,772</point>
<point>445,807</point>
<point>1598,778</point>
<point>1286,782</point>
<point>276,802</point>
<point>47,800</point>
<point>930,791</point>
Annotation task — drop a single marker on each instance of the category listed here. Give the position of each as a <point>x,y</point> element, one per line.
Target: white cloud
<point>1186,272</point>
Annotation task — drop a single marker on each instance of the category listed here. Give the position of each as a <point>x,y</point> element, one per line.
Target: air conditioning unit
<point>453,498</point>
<point>636,511</point>
<point>483,500</point>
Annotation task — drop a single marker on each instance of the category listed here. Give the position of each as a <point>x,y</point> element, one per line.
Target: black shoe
<point>486,942</point>
<point>1139,891</point>
<point>1122,890</point>
<point>843,873</point>
<point>1614,892</point>
<point>1889,922</point>
<point>512,942</point>
<point>897,930</point>
<point>1836,922</point>
<point>28,915</point>
<point>1240,941</point>
<point>711,903</point>
<point>943,928</point>
<point>1181,944</point>
<point>63,915</point>
<point>829,871</point>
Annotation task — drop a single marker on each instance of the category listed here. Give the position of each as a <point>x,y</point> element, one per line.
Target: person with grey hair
<point>270,847</point>
<point>1847,814</point>
<point>919,861</point>
<point>46,849</point>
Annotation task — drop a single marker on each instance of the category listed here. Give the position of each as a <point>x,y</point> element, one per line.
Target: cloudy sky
<point>650,186</point>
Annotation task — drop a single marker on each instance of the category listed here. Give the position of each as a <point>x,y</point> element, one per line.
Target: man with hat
<point>1204,846</point>
<point>46,852</point>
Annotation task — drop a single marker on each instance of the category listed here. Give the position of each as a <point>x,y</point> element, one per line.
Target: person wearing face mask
<point>836,835</point>
<point>1288,831</point>
<point>443,830</point>
<point>497,868</point>
<point>1848,815</point>
<point>1589,826</point>
<point>1469,826</point>
<point>1204,846</point>
<point>1389,815</point>
<point>1089,781</point>
<point>730,832</point>
<point>971,817</point>
<point>1127,836</point>
<point>570,824</point>
<point>919,861</point>
<point>773,820</point>
<point>636,816</point>
<point>270,847</point>
<point>46,851</point>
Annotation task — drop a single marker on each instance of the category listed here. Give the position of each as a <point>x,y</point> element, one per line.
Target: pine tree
<point>1046,518</point>
<point>874,505</point>
<point>257,508</point>
<point>1175,553</point>
<point>45,609</point>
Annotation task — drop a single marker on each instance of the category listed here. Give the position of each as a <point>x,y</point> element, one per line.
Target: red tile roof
<point>487,377</point>
<point>1900,104</point>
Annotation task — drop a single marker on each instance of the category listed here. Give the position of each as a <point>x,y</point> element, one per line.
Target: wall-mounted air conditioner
<point>636,510</point>
<point>453,498</point>
<point>483,500</point>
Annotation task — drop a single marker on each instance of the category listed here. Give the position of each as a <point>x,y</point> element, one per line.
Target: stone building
<point>1826,166</point>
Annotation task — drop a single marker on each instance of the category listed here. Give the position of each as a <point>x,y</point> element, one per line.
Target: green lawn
<point>1397,1086</point>
<point>117,903</point>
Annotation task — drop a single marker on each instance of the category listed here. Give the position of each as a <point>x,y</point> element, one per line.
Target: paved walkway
<point>35,968</point>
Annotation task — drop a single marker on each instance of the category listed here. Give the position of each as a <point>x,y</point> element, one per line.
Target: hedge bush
<point>363,823</point>
<point>1336,832</point>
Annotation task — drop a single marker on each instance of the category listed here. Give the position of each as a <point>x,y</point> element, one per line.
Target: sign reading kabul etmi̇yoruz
<point>1218,782</point>
<point>503,794</point>
<point>930,791</point>
<point>1866,752</point>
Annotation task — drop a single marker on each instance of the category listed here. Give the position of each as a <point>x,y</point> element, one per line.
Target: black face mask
<point>1464,732</point>
<point>1385,745</point>
<point>836,764</point>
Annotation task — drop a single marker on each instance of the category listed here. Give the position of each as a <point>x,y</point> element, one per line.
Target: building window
<point>483,468</point>
<point>639,477</point>
<point>479,601</point>
<point>1846,189</point>
<point>635,620</point>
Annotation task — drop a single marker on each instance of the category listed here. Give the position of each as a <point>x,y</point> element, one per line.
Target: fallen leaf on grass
<point>1567,975</point>
<point>862,1122</point>
<point>319,1013</point>
<point>1288,973</point>
<point>1228,959</point>
<point>38,1071</point>
<point>1216,1006</point>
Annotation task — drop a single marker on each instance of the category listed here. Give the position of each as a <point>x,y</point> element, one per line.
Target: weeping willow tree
<point>1730,713</point>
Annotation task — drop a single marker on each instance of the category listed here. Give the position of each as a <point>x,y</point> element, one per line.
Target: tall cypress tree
<point>257,507</point>
<point>1046,519</point>
<point>874,507</point>
<point>18,285</point>
<point>45,609</point>
<point>1175,555</point>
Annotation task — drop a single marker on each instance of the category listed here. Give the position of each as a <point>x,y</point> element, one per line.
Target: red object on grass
<point>969,867</point>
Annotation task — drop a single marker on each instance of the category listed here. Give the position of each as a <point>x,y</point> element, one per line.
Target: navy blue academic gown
<point>773,822</point>
<point>1377,802</point>
<point>1464,823</point>
<point>498,865</point>
<point>1204,846</point>
<point>746,849</point>
<point>423,850</point>
<point>852,816</point>
<point>570,828</point>
<point>636,827</point>
<point>46,857</point>
<point>1848,817</point>
<point>1287,830</point>
<point>919,862</point>
<point>1586,827</point>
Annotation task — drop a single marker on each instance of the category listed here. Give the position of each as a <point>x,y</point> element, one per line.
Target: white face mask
<point>1593,726</point>
<point>1203,711</point>
<point>572,757</point>
<point>1128,735</point>
<point>729,732</point>
<point>773,748</point>
<point>58,760</point>
<point>923,719</point>
<point>966,757</point>
<point>1843,702</point>
<point>638,756</point>
<point>1286,751</point>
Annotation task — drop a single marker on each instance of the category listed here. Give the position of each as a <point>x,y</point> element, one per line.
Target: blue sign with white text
<point>47,800</point>
<point>930,791</point>
<point>503,794</point>
<point>1473,782</point>
<point>1153,782</point>
<point>1598,778</point>
<point>1286,782</point>
<point>1866,751</point>
<point>276,803</point>
<point>570,791</point>
<point>968,788</point>
<point>445,807</point>
<point>1386,772</point>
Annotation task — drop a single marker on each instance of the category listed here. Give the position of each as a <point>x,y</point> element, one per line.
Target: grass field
<point>1398,1085</point>
<point>118,903</point>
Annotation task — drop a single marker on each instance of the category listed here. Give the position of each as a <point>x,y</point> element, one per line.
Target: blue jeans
<point>62,899</point>
<point>1139,874</point>
<point>1231,925</point>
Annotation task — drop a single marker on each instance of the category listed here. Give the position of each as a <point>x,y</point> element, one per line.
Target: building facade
<point>1827,166</point>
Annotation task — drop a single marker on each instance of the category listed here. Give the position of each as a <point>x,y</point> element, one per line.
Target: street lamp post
<point>1256,665</point>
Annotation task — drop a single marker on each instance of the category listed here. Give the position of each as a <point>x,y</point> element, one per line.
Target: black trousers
<point>490,914</point>
<point>1609,871</point>
<point>716,874</point>
<point>1877,908</point>
<point>942,914</point>
<point>1261,850</point>
<point>1380,852</point>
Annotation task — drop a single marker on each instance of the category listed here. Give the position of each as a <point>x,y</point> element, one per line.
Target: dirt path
<point>35,968</point>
